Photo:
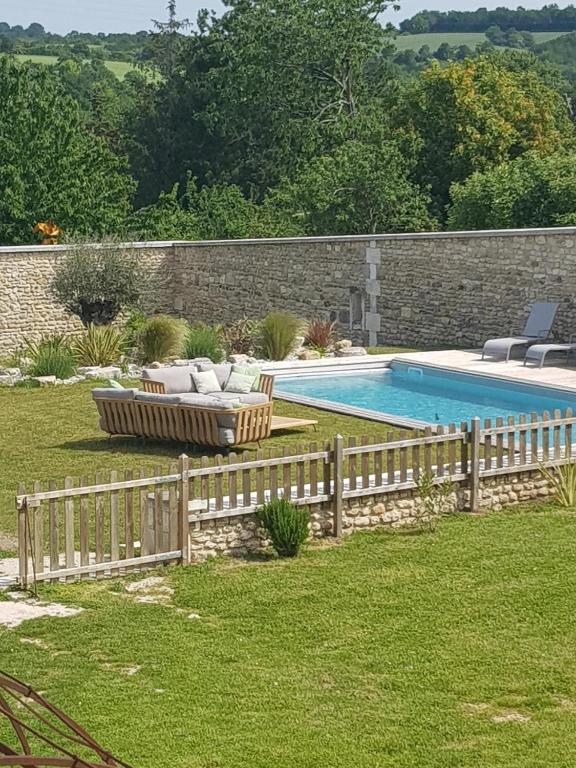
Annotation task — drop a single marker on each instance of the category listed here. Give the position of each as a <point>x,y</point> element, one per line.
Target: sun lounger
<point>537,329</point>
<point>537,352</point>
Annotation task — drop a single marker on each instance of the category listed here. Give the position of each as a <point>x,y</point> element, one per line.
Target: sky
<point>62,16</point>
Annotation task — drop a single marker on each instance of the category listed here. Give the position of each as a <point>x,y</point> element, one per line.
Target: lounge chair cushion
<point>110,393</point>
<point>250,398</point>
<point>249,371</point>
<point>176,379</point>
<point>154,397</point>
<point>206,382</point>
<point>222,371</point>
<point>240,383</point>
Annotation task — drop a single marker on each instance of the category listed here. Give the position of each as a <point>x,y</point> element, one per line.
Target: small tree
<point>96,283</point>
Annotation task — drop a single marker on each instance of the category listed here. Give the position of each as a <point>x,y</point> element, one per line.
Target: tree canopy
<point>50,166</point>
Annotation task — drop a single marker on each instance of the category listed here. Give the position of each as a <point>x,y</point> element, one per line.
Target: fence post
<point>475,465</point>
<point>183,491</point>
<point>338,485</point>
<point>23,541</point>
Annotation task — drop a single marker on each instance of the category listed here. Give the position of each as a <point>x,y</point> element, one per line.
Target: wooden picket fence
<point>114,525</point>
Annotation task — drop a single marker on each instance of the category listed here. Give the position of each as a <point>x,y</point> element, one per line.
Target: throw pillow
<point>239,383</point>
<point>114,384</point>
<point>206,382</point>
<point>249,371</point>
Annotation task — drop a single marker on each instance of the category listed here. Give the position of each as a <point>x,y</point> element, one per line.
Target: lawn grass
<point>472,39</point>
<point>445,650</point>
<point>48,433</point>
<point>118,68</point>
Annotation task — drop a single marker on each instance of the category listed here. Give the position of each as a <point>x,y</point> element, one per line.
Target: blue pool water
<point>430,395</point>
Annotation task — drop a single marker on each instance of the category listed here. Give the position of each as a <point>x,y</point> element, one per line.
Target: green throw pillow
<point>249,371</point>
<point>115,384</point>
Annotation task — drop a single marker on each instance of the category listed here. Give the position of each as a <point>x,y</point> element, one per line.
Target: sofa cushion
<point>239,382</point>
<point>248,370</point>
<point>110,393</point>
<point>205,382</point>
<point>154,397</point>
<point>176,379</point>
<point>250,398</point>
<point>196,400</point>
<point>222,371</point>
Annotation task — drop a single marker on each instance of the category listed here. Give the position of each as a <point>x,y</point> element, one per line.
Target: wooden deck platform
<point>285,422</point>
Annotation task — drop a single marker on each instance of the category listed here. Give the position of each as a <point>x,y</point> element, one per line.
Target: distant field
<point>119,68</point>
<point>472,39</point>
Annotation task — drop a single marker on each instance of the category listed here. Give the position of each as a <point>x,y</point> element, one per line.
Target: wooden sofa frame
<point>183,423</point>
<point>266,386</point>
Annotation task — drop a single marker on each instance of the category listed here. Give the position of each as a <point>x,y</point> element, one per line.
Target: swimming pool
<point>419,394</point>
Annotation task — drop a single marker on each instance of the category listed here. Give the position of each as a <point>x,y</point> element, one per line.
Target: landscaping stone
<point>45,381</point>
<point>98,372</point>
<point>351,352</point>
<point>343,344</point>
<point>239,359</point>
<point>309,354</point>
<point>12,614</point>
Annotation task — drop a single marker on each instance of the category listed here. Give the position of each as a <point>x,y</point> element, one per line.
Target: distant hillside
<point>550,18</point>
<point>472,39</point>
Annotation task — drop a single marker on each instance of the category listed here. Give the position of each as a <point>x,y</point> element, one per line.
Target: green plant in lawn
<point>51,356</point>
<point>99,345</point>
<point>320,334</point>
<point>240,336</point>
<point>278,333</point>
<point>286,526</point>
<point>204,341</point>
<point>159,338</point>
<point>563,483</point>
<point>434,500</point>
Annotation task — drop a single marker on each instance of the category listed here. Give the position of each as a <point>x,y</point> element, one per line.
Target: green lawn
<point>445,650</point>
<point>472,39</point>
<point>119,68</point>
<point>53,432</point>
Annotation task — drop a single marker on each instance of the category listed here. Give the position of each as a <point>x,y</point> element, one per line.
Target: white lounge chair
<point>537,329</point>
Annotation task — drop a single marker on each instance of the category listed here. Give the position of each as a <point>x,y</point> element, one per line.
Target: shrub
<point>99,345</point>
<point>132,327</point>
<point>51,356</point>
<point>204,341</point>
<point>286,526</point>
<point>159,338</point>
<point>434,500</point>
<point>278,333</point>
<point>97,282</point>
<point>320,334</point>
<point>240,336</point>
<point>563,483</point>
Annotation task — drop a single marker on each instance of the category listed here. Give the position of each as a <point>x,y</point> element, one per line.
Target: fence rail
<point>111,526</point>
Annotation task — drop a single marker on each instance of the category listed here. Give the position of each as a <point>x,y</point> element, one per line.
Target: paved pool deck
<point>554,374</point>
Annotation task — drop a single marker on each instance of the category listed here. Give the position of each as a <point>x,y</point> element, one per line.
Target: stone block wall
<point>27,309</point>
<point>242,536</point>
<point>439,289</point>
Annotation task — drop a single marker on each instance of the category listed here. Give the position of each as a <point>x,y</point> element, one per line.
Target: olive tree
<point>97,282</point>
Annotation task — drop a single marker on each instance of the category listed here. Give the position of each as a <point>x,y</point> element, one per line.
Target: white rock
<point>45,381</point>
<point>351,352</point>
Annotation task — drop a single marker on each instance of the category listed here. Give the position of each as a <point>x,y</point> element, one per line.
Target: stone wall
<point>452,289</point>
<point>242,536</point>
<point>27,310</point>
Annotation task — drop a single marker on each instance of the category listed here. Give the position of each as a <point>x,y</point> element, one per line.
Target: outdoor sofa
<point>168,408</point>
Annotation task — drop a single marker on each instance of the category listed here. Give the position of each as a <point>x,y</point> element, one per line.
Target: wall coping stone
<point>322,239</point>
